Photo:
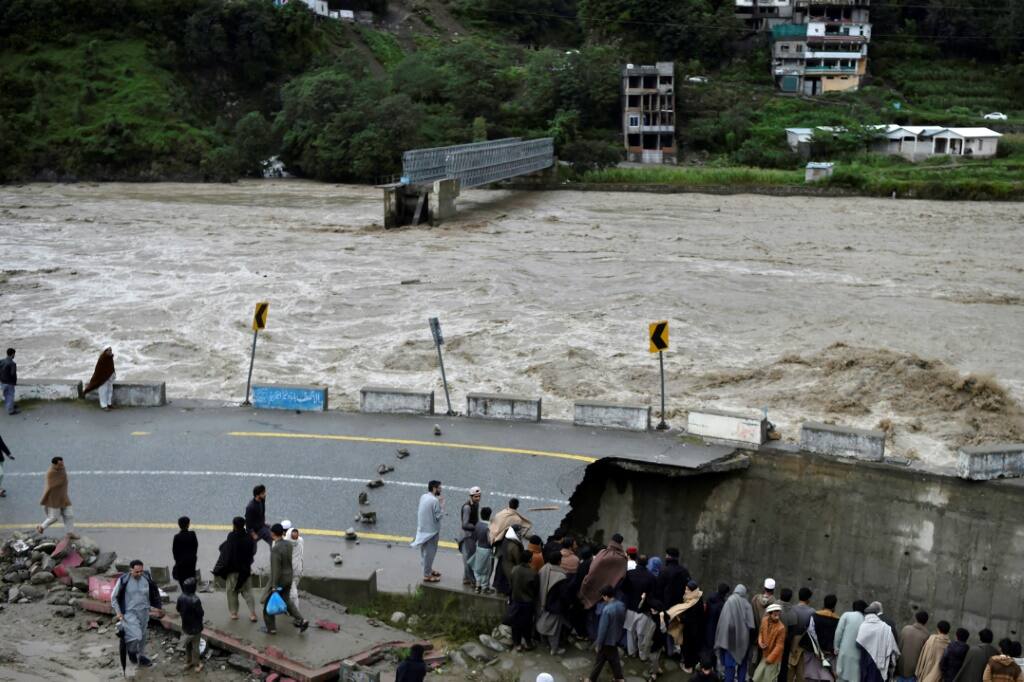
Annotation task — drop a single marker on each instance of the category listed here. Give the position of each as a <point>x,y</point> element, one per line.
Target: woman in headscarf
<point>733,636</point>
<point>552,581</point>
<point>848,660</point>
<point>654,566</point>
<point>103,378</point>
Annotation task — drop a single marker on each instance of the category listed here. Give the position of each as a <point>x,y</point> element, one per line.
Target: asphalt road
<point>142,466</point>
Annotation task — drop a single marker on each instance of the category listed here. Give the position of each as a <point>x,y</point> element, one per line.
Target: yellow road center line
<point>117,525</point>
<point>403,441</point>
<point>141,433</point>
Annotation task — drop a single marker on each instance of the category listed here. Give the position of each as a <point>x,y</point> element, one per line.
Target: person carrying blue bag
<point>275,599</point>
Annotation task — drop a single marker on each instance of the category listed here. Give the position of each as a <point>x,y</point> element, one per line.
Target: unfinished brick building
<point>649,113</point>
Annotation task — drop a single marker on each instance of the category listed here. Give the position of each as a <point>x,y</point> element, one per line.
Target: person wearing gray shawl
<point>428,529</point>
<point>875,636</point>
<point>733,636</point>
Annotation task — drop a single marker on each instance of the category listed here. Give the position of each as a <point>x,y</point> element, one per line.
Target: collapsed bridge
<point>432,178</point>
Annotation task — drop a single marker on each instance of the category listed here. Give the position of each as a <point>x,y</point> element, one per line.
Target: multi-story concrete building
<point>825,49</point>
<point>764,14</point>
<point>649,113</point>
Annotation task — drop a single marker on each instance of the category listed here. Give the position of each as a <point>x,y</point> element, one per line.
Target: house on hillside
<point>648,112</point>
<point>762,15</point>
<point>913,143</point>
<point>823,49</point>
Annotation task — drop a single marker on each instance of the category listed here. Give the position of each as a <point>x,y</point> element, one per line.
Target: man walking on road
<point>134,594</point>
<point>4,451</point>
<point>235,566</point>
<point>55,499</point>
<point>8,380</point>
<point>256,517</point>
<point>470,516</point>
<point>281,582</point>
<point>428,529</point>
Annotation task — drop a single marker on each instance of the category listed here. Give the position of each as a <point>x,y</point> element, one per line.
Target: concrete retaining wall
<point>286,397</point>
<point>135,395</point>
<point>731,426</point>
<point>347,591</point>
<point>482,611</point>
<point>498,406</point>
<point>395,400</point>
<point>826,439</point>
<point>1001,460</point>
<point>48,389</point>
<point>597,413</point>
<point>907,538</point>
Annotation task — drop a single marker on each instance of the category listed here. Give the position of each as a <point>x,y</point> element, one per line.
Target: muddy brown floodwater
<point>863,311</point>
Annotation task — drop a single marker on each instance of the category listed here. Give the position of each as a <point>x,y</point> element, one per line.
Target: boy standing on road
<point>190,608</point>
<point>8,380</point>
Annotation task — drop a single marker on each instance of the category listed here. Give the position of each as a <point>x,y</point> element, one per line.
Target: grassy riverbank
<point>1000,178</point>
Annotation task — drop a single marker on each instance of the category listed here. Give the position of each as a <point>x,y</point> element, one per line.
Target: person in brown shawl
<point>55,499</point>
<point>607,569</point>
<point>103,378</point>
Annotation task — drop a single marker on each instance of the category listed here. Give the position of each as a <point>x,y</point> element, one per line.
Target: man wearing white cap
<point>771,641</point>
<point>291,534</point>
<point>467,545</point>
<point>761,602</point>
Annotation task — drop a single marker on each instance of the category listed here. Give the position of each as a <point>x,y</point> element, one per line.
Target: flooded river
<point>862,311</point>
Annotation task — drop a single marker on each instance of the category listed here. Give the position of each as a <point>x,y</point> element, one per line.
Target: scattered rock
<point>12,577</point>
<point>437,430</point>
<point>376,483</point>
<point>402,453</point>
<point>413,621</point>
<point>350,533</point>
<point>338,561</point>
<point>65,612</point>
<point>80,576</point>
<point>32,592</point>
<point>104,560</point>
<point>476,652</point>
<point>372,622</point>
<point>503,634</point>
<point>397,617</point>
<point>384,469</point>
<point>492,643</point>
<point>42,578</point>
<point>366,517</point>
<point>57,598</point>
<point>364,497</point>
<point>240,662</point>
<point>46,547</point>
<point>13,595</point>
<point>458,659</point>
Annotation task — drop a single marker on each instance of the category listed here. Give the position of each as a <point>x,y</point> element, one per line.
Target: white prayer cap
<point>286,524</point>
<point>544,677</point>
<point>769,583</point>
<point>773,607</point>
<point>475,490</point>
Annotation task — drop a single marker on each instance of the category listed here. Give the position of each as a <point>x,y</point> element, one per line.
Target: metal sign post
<point>435,331</point>
<point>657,334</point>
<point>259,321</point>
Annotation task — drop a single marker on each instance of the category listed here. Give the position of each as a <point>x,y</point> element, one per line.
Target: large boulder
<point>476,652</point>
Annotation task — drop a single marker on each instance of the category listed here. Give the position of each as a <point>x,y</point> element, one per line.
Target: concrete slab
<point>306,657</point>
<point>138,394</point>
<point>49,389</point>
<point>828,439</point>
<point>987,462</point>
<point>738,427</point>
<point>389,400</point>
<point>503,406</point>
<point>612,415</point>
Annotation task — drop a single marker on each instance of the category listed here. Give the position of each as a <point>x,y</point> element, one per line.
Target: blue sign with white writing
<point>302,398</point>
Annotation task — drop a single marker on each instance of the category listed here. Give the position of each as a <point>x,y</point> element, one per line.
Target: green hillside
<point>208,89</point>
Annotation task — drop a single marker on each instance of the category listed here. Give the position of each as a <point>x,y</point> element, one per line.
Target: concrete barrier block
<point>141,394</point>
<point>826,439</point>
<point>384,399</point>
<point>287,397</point>
<point>616,416</point>
<point>48,389</point>
<point>731,426</point>
<point>987,462</point>
<point>499,406</point>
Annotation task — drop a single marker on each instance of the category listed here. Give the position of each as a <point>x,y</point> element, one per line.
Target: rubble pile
<point>36,568</point>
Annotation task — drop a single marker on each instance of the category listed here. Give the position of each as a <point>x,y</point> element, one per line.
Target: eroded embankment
<point>876,532</point>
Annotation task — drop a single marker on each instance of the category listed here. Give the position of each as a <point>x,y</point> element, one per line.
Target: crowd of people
<point>652,608</point>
